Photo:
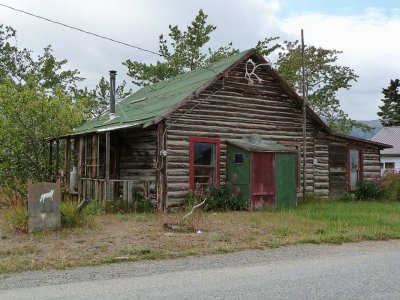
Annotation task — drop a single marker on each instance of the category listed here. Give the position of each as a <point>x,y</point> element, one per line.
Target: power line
<point>81,30</point>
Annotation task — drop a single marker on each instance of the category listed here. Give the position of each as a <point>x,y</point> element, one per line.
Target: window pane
<point>204,154</point>
<point>389,165</point>
<point>204,163</point>
<point>239,158</point>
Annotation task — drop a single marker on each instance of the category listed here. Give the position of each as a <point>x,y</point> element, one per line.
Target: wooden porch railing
<point>95,189</point>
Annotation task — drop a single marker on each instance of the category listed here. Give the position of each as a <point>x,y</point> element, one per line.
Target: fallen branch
<point>194,208</point>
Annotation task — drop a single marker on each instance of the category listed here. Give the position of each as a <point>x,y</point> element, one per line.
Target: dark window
<point>204,161</point>
<point>239,158</point>
<point>389,165</point>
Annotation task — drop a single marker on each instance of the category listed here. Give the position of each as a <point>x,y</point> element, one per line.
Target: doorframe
<point>361,161</point>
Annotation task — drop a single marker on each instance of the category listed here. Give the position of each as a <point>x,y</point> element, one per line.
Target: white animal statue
<point>46,196</point>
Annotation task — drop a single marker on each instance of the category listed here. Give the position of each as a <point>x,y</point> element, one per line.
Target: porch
<point>120,189</point>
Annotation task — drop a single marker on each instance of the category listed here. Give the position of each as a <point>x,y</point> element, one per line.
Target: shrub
<point>368,190</point>
<point>93,208</point>
<point>138,204</point>
<point>347,197</point>
<point>219,198</point>
<point>16,219</point>
<point>10,197</point>
<point>391,187</point>
<point>71,216</point>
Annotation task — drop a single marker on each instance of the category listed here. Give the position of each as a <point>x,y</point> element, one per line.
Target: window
<point>389,165</point>
<point>354,165</point>
<point>204,161</point>
<point>239,158</point>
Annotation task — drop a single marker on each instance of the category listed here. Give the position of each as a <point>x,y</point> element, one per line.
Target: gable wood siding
<point>230,109</point>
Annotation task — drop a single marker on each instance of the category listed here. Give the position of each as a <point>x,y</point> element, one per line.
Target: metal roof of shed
<point>391,136</point>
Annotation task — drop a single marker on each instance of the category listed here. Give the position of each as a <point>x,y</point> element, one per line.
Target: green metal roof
<point>150,103</point>
<point>262,146</point>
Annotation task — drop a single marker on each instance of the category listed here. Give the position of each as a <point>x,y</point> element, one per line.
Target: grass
<point>132,237</point>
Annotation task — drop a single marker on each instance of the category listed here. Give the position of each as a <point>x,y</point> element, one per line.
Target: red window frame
<point>361,152</point>
<point>197,139</point>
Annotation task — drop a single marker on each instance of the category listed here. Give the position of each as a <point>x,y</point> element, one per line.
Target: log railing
<point>95,189</point>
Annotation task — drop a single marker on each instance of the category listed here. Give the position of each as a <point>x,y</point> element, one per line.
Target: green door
<point>285,173</point>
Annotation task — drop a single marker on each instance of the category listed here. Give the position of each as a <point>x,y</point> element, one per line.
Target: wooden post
<point>161,168</point>
<point>50,159</point>
<point>81,164</point>
<point>304,116</point>
<point>58,157</point>
<point>94,156</point>
<point>67,161</point>
<point>108,151</point>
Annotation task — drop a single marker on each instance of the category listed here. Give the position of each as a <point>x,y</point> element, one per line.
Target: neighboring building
<point>390,157</point>
<point>167,137</point>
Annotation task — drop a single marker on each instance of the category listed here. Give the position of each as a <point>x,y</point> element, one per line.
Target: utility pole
<point>304,115</point>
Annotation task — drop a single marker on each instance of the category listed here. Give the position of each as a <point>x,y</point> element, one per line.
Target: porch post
<point>108,187</point>
<point>161,168</point>
<point>67,161</point>
<point>57,158</point>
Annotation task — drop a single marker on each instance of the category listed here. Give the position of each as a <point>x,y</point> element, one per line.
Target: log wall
<point>137,157</point>
<point>229,109</point>
<point>371,164</point>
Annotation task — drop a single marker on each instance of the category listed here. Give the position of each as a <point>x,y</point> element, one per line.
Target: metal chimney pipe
<point>112,91</point>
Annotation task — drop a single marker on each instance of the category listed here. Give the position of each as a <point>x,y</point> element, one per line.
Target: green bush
<point>219,198</point>
<point>72,217</point>
<point>16,219</point>
<point>347,197</point>
<point>138,204</point>
<point>368,190</point>
<point>93,208</point>
<point>391,188</point>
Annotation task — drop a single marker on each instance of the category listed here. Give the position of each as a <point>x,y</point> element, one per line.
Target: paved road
<point>368,270</point>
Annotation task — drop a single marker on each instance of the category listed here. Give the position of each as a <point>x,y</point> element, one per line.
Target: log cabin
<point>169,136</point>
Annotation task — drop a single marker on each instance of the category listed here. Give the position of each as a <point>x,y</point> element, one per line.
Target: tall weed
<point>16,220</point>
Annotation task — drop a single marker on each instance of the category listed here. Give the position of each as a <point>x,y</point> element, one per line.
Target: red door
<point>263,180</point>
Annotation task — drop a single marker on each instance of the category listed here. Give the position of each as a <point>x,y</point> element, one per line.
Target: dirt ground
<point>127,237</point>
<point>130,237</point>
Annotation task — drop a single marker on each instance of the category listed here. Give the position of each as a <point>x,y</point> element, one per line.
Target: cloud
<point>367,39</point>
<point>369,46</point>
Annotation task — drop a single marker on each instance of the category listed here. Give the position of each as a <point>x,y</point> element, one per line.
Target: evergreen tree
<point>390,110</point>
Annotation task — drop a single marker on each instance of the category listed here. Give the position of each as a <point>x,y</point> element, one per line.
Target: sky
<point>366,31</point>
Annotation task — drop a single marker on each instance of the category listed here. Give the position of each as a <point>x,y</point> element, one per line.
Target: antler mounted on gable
<point>248,74</point>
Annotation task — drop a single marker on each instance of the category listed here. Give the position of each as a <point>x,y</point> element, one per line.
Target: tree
<point>182,54</point>
<point>390,110</point>
<point>29,116</point>
<point>39,100</point>
<point>324,78</point>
